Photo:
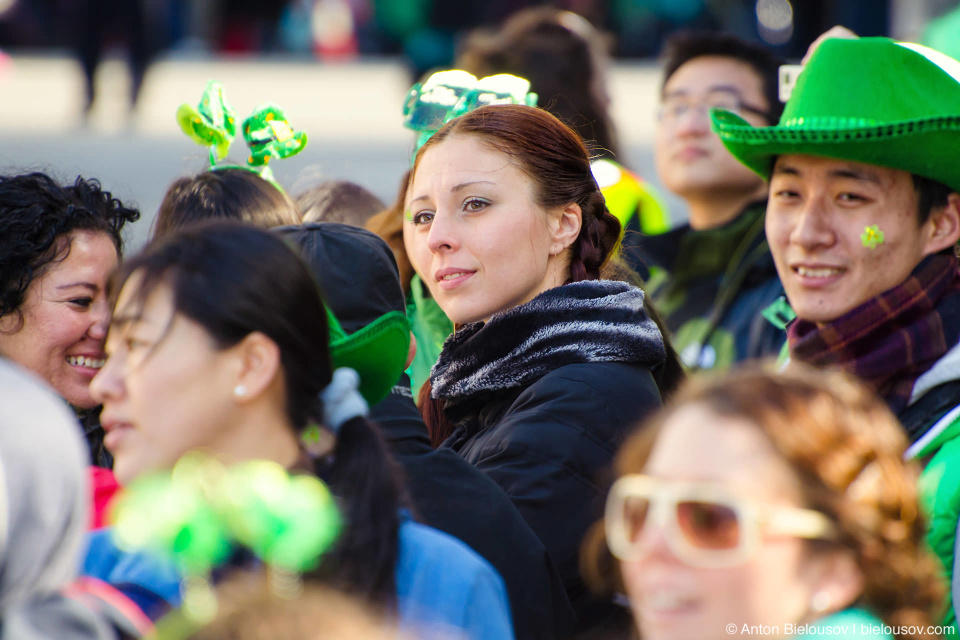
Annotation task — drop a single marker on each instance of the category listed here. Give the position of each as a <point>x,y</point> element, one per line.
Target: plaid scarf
<point>890,340</point>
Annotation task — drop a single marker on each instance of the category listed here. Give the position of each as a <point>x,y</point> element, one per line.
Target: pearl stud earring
<point>821,601</point>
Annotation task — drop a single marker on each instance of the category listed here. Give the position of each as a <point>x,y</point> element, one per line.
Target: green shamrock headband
<point>449,94</point>
<point>212,123</point>
<point>201,511</point>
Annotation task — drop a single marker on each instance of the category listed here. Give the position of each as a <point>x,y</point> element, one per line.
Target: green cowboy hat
<point>870,100</point>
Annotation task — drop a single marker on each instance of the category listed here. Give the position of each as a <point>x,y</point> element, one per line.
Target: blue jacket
<point>441,583</point>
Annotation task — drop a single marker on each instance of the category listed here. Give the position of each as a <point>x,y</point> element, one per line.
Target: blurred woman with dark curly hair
<point>775,504</point>
<point>58,246</point>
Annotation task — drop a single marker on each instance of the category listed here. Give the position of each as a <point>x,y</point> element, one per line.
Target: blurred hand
<point>833,32</point>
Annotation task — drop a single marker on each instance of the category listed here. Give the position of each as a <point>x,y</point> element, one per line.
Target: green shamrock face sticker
<point>871,237</point>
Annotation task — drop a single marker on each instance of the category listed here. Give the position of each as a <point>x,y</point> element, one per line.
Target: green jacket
<point>710,286</point>
<point>938,447</point>
<point>430,327</point>
<point>849,623</point>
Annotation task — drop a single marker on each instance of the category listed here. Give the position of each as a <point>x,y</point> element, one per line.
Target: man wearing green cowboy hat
<point>863,216</point>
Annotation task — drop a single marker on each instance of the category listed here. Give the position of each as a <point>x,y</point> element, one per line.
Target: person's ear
<point>258,366</point>
<point>944,226</point>
<point>565,227</point>
<point>837,582</point>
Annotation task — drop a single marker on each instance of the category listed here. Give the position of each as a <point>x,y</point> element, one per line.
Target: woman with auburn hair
<point>778,502</point>
<point>550,365</point>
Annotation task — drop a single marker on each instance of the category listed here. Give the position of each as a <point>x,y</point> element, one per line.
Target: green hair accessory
<point>269,135</point>
<point>212,123</point>
<point>871,237</point>
<point>198,514</point>
<point>446,95</point>
<point>502,88</point>
<point>267,132</point>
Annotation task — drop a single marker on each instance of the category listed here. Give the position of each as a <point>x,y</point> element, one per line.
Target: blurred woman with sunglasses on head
<point>769,503</point>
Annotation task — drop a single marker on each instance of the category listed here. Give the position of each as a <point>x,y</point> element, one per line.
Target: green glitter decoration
<point>871,237</point>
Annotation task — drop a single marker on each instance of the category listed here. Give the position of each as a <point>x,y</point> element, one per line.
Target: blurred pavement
<point>351,113</point>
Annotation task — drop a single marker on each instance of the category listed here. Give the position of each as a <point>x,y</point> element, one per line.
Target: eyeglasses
<point>704,525</point>
<point>674,108</point>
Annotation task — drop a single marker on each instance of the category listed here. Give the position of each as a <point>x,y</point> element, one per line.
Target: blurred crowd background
<point>91,86</point>
<point>425,32</point>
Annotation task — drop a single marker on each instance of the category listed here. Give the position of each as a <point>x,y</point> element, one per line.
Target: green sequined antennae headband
<point>446,95</point>
<point>268,134</point>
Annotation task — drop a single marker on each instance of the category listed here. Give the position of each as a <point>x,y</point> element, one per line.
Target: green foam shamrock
<point>170,515</point>
<point>871,237</point>
<point>212,123</point>
<point>288,522</point>
<point>200,511</point>
<point>269,135</point>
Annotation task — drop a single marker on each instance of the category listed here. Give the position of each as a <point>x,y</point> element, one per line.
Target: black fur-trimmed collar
<point>588,321</point>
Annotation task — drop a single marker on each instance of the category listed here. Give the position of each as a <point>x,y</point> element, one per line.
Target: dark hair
<point>686,45</point>
<point>231,193</point>
<point>561,54</point>
<point>930,195</point>
<point>338,201</point>
<point>233,280</point>
<point>36,217</point>
<point>555,159</point>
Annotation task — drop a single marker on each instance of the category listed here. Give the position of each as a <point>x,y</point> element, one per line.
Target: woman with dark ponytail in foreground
<point>550,364</point>
<point>219,343</point>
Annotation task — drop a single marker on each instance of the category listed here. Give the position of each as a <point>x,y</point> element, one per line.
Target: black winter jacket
<point>549,441</point>
<point>449,494</point>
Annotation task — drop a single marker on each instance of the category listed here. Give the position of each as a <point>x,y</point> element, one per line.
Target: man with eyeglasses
<point>712,277</point>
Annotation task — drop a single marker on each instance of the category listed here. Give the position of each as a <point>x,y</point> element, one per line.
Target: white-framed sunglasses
<point>705,525</point>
